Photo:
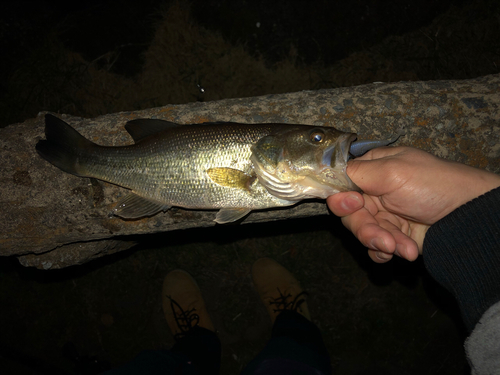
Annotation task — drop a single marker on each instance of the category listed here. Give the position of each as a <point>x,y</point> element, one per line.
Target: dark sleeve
<point>462,252</point>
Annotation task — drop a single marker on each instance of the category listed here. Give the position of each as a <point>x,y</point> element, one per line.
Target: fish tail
<point>64,146</point>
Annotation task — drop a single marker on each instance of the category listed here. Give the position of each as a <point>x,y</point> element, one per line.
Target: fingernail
<point>383,256</point>
<point>351,202</point>
<point>379,244</point>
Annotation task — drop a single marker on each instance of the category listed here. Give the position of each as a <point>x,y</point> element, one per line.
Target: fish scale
<point>172,166</point>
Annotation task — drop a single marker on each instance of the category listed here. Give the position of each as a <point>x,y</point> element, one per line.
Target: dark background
<point>90,59</point>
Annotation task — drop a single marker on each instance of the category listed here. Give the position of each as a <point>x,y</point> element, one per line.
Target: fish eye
<point>317,136</point>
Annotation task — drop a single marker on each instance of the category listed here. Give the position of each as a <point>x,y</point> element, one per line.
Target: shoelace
<point>282,302</point>
<point>185,320</point>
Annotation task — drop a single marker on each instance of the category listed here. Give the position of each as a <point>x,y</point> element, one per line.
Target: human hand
<point>406,190</point>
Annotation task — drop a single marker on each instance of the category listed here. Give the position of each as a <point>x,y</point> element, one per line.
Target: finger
<point>368,231</point>
<point>406,247</point>
<point>379,256</point>
<point>418,232</point>
<point>343,204</point>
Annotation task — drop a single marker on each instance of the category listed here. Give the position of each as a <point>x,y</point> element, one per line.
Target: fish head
<point>304,162</point>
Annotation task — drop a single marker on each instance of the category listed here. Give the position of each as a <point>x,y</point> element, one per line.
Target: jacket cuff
<point>462,252</point>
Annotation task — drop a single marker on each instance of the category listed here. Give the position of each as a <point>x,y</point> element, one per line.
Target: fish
<point>233,167</point>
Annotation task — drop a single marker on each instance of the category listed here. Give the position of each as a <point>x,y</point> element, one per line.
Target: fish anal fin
<point>144,127</point>
<point>230,177</point>
<point>133,206</point>
<point>229,215</point>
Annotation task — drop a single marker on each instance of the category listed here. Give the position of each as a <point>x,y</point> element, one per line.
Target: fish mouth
<point>346,147</point>
<point>332,153</point>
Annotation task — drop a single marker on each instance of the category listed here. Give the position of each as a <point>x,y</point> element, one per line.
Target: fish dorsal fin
<point>133,206</point>
<point>229,215</point>
<point>144,127</point>
<point>230,177</point>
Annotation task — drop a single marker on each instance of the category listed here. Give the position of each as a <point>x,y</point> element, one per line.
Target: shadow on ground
<point>375,318</point>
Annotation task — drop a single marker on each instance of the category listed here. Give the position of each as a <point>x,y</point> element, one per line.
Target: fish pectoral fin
<point>144,127</point>
<point>230,177</point>
<point>133,206</point>
<point>228,215</point>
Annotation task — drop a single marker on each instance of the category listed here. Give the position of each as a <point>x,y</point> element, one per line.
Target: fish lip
<point>345,146</point>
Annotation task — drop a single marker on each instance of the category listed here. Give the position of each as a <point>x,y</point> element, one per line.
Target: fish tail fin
<point>63,146</point>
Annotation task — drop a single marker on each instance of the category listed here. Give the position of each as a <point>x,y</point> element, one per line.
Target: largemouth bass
<point>233,167</point>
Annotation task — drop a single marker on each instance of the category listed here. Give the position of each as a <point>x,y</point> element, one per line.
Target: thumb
<point>365,174</point>
<point>345,203</point>
<point>373,171</point>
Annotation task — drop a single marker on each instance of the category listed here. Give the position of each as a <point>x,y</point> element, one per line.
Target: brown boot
<point>278,288</point>
<point>183,304</point>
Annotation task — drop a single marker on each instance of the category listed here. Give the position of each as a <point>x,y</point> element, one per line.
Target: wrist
<point>464,184</point>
